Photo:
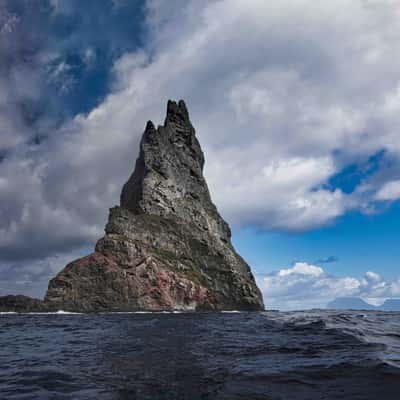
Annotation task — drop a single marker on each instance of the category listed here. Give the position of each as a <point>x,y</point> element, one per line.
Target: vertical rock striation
<point>165,247</point>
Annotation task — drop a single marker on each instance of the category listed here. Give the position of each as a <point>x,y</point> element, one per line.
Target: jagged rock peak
<point>165,247</point>
<point>177,124</point>
<point>177,112</point>
<point>168,177</point>
<point>150,126</point>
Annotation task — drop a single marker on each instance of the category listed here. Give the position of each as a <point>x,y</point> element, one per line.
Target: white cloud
<point>282,94</point>
<point>309,286</point>
<point>389,191</point>
<point>302,268</point>
<point>275,112</point>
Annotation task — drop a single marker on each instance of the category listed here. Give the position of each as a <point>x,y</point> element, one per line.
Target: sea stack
<point>165,246</point>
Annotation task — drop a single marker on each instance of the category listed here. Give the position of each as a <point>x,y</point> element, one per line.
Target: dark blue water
<point>271,355</point>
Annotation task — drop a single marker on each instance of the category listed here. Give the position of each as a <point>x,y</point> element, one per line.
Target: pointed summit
<point>169,170</point>
<point>150,126</point>
<point>166,247</point>
<point>176,112</point>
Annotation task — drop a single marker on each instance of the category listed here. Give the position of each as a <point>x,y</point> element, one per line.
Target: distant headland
<point>355,303</point>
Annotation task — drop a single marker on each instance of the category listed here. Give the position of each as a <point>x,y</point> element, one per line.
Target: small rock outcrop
<point>165,247</point>
<point>20,303</point>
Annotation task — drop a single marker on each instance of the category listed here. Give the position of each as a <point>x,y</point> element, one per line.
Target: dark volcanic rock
<point>20,303</point>
<point>166,247</point>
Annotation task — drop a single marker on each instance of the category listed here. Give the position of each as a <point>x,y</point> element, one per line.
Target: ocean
<point>266,355</point>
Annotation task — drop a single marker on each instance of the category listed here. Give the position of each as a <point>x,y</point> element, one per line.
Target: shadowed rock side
<point>166,247</point>
<point>20,303</point>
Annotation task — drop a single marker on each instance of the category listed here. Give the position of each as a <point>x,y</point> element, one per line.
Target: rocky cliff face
<point>165,247</point>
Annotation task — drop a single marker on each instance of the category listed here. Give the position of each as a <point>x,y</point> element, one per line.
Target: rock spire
<point>165,247</point>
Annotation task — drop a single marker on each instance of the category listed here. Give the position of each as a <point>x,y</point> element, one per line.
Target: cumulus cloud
<point>389,191</point>
<point>309,286</point>
<point>281,106</point>
<point>301,268</point>
<point>275,113</point>
<point>42,175</point>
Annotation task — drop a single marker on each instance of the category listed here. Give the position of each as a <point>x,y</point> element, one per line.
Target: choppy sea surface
<point>267,355</point>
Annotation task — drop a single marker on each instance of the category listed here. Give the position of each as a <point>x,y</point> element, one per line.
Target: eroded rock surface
<point>166,247</point>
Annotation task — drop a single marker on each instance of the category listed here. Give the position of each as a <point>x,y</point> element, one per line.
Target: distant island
<point>355,303</point>
<point>166,247</point>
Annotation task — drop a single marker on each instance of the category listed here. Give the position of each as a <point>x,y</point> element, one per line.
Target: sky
<point>296,104</point>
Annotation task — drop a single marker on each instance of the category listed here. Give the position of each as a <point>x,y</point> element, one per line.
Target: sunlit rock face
<point>165,247</point>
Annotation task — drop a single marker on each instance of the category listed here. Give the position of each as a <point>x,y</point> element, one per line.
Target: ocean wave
<point>370,327</point>
<point>59,312</point>
<point>296,356</point>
